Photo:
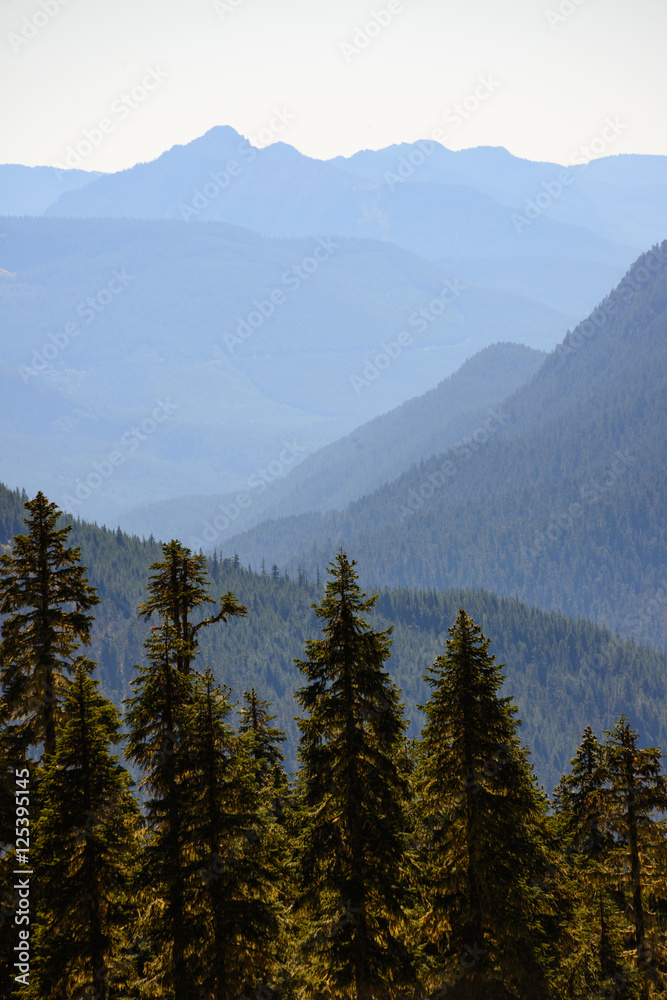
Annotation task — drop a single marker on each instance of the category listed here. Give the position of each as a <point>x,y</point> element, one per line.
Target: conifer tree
<point>156,724</point>
<point>486,860</point>
<point>158,743</point>
<point>86,839</point>
<point>178,587</point>
<point>45,594</point>
<point>351,856</point>
<point>596,961</point>
<point>234,895</point>
<point>266,739</point>
<point>579,799</point>
<point>12,767</point>
<point>637,790</point>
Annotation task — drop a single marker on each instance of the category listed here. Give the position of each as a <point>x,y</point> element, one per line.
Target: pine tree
<point>158,743</point>
<point>156,725</point>
<point>266,739</point>
<point>178,587</point>
<point>637,789</point>
<point>579,799</point>
<point>234,894</point>
<point>45,593</point>
<point>352,879</point>
<point>595,961</point>
<point>16,802</point>
<point>86,840</point>
<point>486,859</point>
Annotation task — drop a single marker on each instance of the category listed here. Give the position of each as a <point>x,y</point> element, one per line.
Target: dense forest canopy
<point>564,673</point>
<point>385,867</point>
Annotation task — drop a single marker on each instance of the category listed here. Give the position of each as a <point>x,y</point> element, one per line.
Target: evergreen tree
<point>45,594</point>
<point>156,725</point>
<point>637,790</point>
<point>158,743</point>
<point>352,878</point>
<point>234,896</point>
<point>266,739</point>
<point>86,839</point>
<point>579,799</point>
<point>595,962</point>
<point>16,801</point>
<point>178,587</point>
<point>486,861</point>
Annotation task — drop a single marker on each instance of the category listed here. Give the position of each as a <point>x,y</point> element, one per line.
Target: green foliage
<point>155,720</point>
<point>563,673</point>
<point>485,856</point>
<point>266,739</point>
<point>562,507</point>
<point>87,847</point>
<point>240,884</point>
<point>232,849</point>
<point>590,853</point>
<point>45,594</point>
<point>636,790</point>
<point>178,587</point>
<point>353,877</point>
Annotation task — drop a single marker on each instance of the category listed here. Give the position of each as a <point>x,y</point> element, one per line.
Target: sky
<point>124,80</point>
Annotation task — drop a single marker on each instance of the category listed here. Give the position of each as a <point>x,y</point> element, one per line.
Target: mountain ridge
<point>600,393</point>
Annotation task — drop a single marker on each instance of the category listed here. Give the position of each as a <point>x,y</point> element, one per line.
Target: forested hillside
<point>563,505</point>
<point>230,879</point>
<point>102,320</point>
<point>563,673</point>
<point>371,455</point>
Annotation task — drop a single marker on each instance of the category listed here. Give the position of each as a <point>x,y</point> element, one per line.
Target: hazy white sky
<point>344,75</point>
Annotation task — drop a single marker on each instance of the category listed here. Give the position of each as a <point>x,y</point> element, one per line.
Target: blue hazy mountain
<point>374,453</point>
<point>472,203</point>
<point>563,505</point>
<point>31,190</point>
<point>103,318</point>
<point>209,231</point>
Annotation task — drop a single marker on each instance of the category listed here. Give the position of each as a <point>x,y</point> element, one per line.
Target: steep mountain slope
<point>371,455</point>
<point>563,674</point>
<point>261,335</point>
<point>563,506</point>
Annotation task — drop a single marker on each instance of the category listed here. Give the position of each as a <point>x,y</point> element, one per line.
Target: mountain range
<point>450,364</point>
<point>563,504</point>
<point>294,298</point>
